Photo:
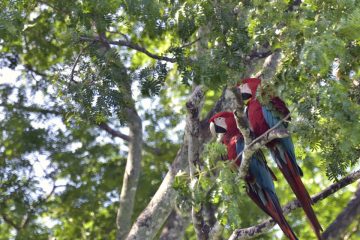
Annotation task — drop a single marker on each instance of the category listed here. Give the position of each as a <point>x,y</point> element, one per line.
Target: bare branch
<point>190,43</point>
<point>250,232</point>
<point>74,65</point>
<point>33,108</point>
<point>30,68</point>
<point>114,132</point>
<point>240,116</point>
<point>134,46</point>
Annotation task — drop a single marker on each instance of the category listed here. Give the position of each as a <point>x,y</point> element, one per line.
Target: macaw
<point>259,182</point>
<point>261,118</point>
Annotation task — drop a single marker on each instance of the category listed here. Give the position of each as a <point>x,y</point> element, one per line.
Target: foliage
<point>79,64</point>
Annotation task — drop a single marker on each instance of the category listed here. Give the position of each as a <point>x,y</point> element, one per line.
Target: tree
<point>93,128</point>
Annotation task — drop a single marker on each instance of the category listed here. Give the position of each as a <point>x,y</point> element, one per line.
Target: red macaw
<point>261,118</point>
<point>259,182</point>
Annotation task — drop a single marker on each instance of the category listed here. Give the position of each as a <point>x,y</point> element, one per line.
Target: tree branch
<point>269,67</point>
<point>194,106</point>
<point>131,175</point>
<point>9,221</point>
<point>134,46</point>
<point>154,215</point>
<point>338,227</point>
<point>74,65</point>
<point>113,132</point>
<point>258,143</point>
<point>34,109</point>
<point>157,211</point>
<point>116,133</point>
<point>250,232</point>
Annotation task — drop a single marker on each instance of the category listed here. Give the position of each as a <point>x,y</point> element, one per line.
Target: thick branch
<point>250,232</point>
<point>338,227</point>
<point>134,46</point>
<point>154,215</point>
<point>131,176</point>
<point>194,106</point>
<point>133,162</point>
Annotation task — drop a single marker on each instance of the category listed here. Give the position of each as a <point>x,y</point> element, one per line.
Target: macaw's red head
<point>223,122</point>
<point>248,88</point>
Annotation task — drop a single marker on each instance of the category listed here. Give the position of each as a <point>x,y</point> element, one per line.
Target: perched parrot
<point>261,118</point>
<point>259,182</point>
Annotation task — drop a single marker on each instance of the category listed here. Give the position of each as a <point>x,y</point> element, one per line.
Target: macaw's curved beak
<point>246,97</point>
<point>215,129</point>
<point>215,134</point>
<point>212,129</point>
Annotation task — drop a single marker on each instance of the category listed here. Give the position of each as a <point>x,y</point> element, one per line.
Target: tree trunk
<point>175,226</point>
<point>155,214</point>
<point>131,175</point>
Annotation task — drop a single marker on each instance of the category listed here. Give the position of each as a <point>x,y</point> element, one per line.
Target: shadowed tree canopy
<point>94,98</point>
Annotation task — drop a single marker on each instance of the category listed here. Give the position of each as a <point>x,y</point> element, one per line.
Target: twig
<point>132,46</point>
<point>190,43</point>
<point>74,65</point>
<point>265,135</point>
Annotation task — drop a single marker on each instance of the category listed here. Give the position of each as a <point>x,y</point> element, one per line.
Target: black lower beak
<point>219,129</point>
<point>246,96</point>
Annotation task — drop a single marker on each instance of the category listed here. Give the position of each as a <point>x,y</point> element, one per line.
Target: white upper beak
<point>212,129</point>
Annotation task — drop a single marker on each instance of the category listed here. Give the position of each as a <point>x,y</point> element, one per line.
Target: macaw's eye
<point>246,96</point>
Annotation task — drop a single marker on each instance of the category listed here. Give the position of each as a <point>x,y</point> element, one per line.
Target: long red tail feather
<point>273,209</point>
<point>301,193</point>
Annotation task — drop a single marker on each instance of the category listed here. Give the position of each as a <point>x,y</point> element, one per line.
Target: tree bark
<point>337,229</point>
<point>175,226</point>
<point>155,214</point>
<point>131,175</point>
<point>194,106</point>
<point>157,211</point>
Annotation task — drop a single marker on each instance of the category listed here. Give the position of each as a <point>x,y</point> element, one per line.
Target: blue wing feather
<point>258,168</point>
<point>286,143</point>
